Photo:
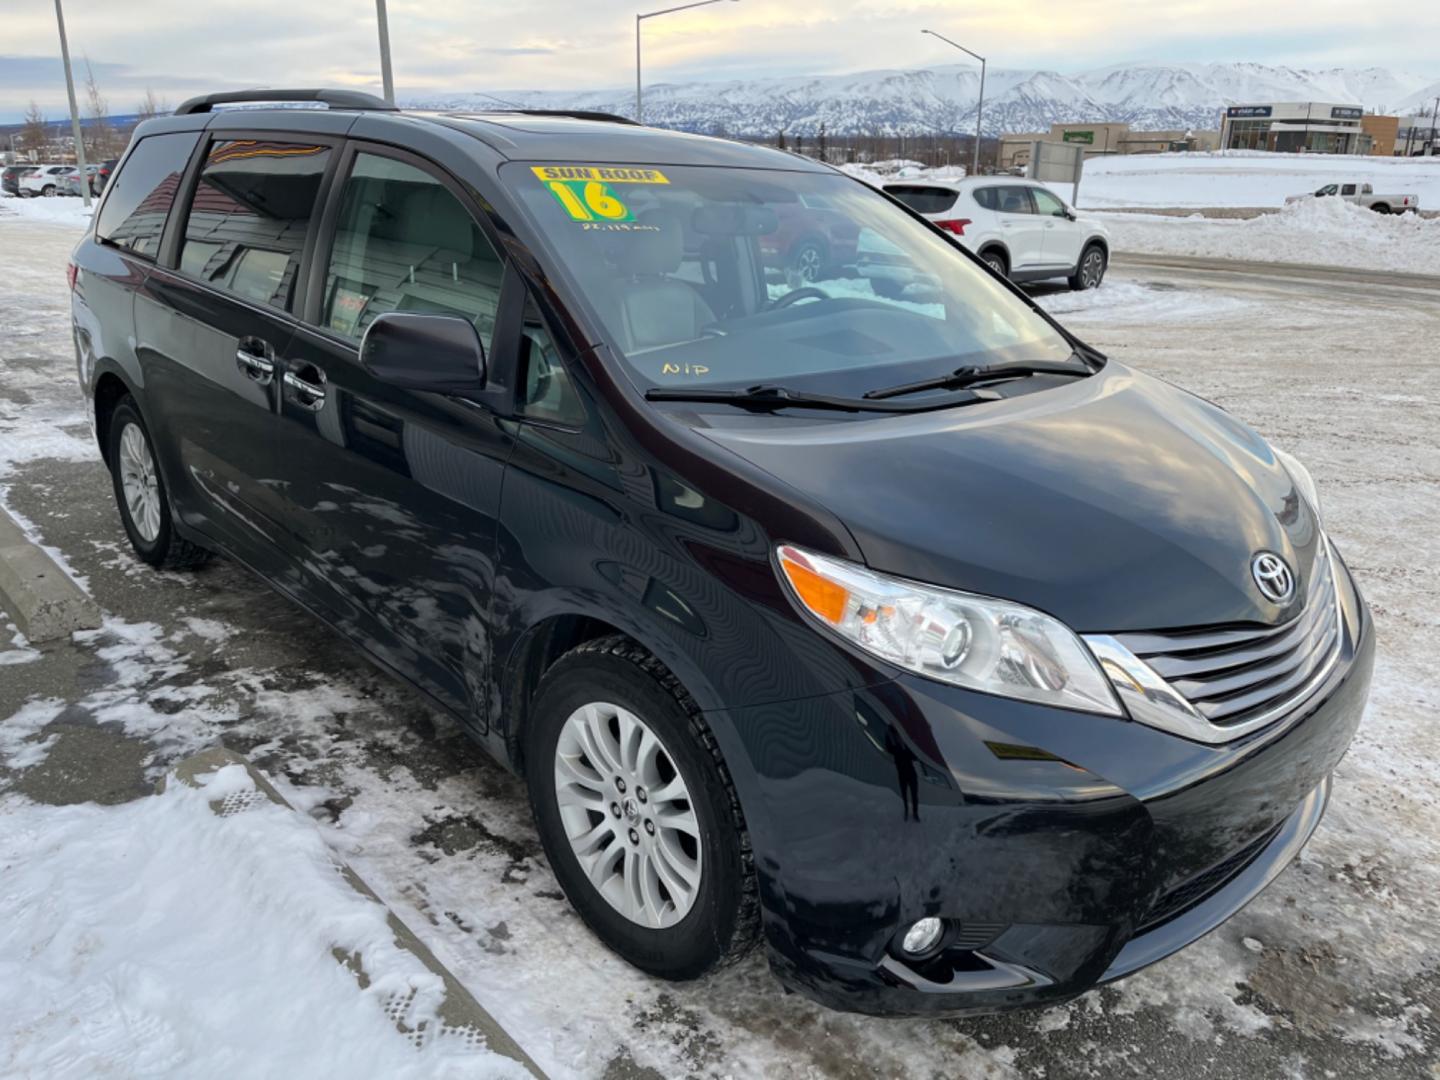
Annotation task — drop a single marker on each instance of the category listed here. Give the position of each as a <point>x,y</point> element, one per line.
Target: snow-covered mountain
<point>943,99</point>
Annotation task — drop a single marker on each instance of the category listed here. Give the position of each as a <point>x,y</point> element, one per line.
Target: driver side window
<point>546,390</point>
<point>1047,205</point>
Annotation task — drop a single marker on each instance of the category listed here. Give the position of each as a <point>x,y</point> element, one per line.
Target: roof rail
<point>335,99</point>
<point>575,114</point>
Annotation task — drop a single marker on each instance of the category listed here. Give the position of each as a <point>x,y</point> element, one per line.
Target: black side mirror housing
<point>441,354</point>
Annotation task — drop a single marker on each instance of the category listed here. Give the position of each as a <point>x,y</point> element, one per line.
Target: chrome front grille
<point>1243,675</point>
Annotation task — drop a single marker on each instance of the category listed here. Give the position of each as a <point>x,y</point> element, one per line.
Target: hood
<point>1114,503</point>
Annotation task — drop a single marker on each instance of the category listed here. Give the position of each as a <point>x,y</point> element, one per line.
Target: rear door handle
<point>256,367</point>
<point>306,394</point>
<point>253,357</point>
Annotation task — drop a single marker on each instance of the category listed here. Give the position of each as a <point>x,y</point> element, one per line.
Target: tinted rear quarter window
<point>249,217</point>
<point>922,198</point>
<point>142,193</point>
<point>987,198</point>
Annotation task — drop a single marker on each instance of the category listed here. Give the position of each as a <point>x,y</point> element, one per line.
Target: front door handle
<point>306,394</point>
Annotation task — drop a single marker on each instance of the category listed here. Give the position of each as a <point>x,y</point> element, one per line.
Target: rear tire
<point>1381,208</point>
<point>48,191</point>
<point>590,810</point>
<point>141,496</point>
<point>995,259</point>
<point>1090,270</point>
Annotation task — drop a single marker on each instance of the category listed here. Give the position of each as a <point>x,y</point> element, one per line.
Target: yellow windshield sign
<point>605,174</point>
<point>584,191</point>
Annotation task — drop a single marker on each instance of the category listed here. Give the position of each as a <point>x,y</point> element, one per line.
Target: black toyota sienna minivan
<point>823,589</point>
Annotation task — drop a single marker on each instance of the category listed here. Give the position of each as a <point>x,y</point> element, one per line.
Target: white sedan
<point>1020,228</point>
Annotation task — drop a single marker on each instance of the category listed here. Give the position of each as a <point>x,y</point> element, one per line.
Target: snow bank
<point>1245,178</point>
<point>64,211</point>
<point>156,938</point>
<point>1323,231</point>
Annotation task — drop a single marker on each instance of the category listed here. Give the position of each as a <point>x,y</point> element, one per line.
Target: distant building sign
<point>1078,136</point>
<point>1346,112</point>
<point>1238,112</point>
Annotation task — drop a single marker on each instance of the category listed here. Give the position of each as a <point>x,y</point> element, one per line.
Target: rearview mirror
<point>438,353</point>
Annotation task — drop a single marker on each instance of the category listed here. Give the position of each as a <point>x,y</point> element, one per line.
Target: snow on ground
<point>1323,231</point>
<point>1245,178</point>
<point>61,210</point>
<point>105,912</point>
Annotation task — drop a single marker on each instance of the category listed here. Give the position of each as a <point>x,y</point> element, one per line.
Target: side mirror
<point>438,353</point>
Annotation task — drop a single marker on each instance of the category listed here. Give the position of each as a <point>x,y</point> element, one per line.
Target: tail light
<point>955,225</point>
<point>71,273</point>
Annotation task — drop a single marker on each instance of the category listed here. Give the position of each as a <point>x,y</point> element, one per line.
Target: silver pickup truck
<point>1364,195</point>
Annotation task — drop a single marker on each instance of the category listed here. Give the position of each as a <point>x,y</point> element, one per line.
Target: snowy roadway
<point>1334,971</point>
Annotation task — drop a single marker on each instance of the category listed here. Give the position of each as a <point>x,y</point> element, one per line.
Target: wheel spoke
<point>667,817</point>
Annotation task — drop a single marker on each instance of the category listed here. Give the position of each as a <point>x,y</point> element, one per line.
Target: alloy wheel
<point>995,263</point>
<point>140,482</point>
<point>628,815</point>
<point>807,264</point>
<point>1092,269</point>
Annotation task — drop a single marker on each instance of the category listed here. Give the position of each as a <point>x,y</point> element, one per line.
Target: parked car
<point>1363,194</point>
<point>10,177</point>
<point>1021,229</point>
<point>45,180</point>
<point>102,176</point>
<point>965,666</point>
<point>70,183</point>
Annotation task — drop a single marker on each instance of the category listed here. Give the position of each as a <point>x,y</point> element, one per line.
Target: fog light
<point>922,936</point>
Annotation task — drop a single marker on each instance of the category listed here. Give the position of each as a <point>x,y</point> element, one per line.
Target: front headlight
<point>1301,477</point>
<point>955,637</point>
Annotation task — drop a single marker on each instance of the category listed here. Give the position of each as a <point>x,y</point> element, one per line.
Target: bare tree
<point>102,137</point>
<point>32,136</point>
<point>151,106</point>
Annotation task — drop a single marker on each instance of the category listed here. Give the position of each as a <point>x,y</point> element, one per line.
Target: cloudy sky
<point>180,47</point>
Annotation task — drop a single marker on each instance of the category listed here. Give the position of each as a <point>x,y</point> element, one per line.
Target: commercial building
<point>1294,127</point>
<point>1382,131</point>
<point>1102,138</point>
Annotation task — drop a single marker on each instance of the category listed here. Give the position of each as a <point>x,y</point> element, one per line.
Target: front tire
<point>807,261</point>
<point>1090,271</point>
<point>637,814</point>
<point>48,191</point>
<point>140,494</point>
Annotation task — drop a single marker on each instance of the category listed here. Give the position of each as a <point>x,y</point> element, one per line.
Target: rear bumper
<point>1064,850</point>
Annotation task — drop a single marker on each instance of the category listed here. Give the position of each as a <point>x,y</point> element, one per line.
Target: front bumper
<point>1063,849</point>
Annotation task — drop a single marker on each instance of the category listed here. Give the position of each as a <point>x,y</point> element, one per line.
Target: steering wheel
<point>794,296</point>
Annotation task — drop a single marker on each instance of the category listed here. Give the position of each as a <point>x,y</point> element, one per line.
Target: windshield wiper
<point>970,375</point>
<point>769,396</point>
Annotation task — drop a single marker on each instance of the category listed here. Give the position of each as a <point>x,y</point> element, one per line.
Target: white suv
<point>46,180</point>
<point>1022,229</point>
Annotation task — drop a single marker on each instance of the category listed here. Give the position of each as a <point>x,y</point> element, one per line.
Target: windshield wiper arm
<point>769,396</point>
<point>970,375</point>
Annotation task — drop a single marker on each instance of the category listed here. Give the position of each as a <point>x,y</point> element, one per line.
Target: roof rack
<point>335,99</point>
<point>574,114</point>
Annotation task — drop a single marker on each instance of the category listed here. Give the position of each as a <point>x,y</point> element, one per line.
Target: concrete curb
<point>459,1010</point>
<point>36,593</point>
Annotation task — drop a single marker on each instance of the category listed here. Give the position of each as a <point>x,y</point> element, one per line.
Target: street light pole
<point>639,113</point>
<point>980,104</point>
<point>74,109</point>
<point>387,79</point>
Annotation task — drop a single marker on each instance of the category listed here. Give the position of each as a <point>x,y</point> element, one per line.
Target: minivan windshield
<point>709,277</point>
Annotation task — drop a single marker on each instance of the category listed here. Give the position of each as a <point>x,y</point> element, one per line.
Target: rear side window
<point>248,220</point>
<point>1013,200</point>
<point>403,242</point>
<point>140,196</point>
<point>987,198</point>
<point>922,198</point>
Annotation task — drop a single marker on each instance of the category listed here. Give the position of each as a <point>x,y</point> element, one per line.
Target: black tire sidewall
<point>702,938</point>
<point>152,552</point>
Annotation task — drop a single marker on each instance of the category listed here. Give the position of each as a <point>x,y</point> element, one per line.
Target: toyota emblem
<point>1273,577</point>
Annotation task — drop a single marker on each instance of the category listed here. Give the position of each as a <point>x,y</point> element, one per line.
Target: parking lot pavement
<point>1334,971</point>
